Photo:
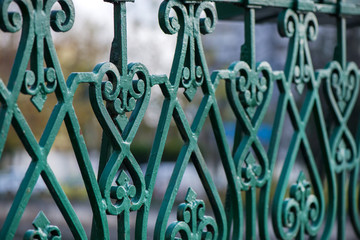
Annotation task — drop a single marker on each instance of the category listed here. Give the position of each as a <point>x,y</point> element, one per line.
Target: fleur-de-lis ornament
<point>43,229</point>
<point>299,209</point>
<point>192,220</point>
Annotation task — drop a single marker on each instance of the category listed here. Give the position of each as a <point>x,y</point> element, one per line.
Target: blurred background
<point>88,43</point>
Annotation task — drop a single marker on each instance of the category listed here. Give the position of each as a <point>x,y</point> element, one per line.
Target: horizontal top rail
<point>338,8</point>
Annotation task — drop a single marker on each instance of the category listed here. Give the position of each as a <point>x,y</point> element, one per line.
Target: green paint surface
<point>297,210</point>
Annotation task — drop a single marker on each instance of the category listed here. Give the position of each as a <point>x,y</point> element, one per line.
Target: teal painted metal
<point>120,103</point>
<point>43,229</point>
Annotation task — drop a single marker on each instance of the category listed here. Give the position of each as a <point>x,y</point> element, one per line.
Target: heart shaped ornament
<point>342,88</point>
<point>119,95</point>
<point>249,91</point>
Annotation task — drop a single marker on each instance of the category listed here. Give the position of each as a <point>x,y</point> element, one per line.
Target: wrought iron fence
<point>119,94</point>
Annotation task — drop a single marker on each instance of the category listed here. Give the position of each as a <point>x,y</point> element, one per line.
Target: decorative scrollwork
<point>301,210</point>
<point>37,13</point>
<point>342,85</point>
<point>302,77</point>
<point>61,20</point>
<point>43,229</point>
<point>115,90</point>
<point>207,24</point>
<point>251,85</point>
<point>122,96</point>
<point>341,88</point>
<point>192,222</point>
<point>291,23</point>
<point>188,20</point>
<point>171,25</point>
<point>301,28</point>
<point>249,92</point>
<point>302,213</point>
<point>12,21</point>
<point>36,18</point>
<point>128,197</point>
<point>39,89</point>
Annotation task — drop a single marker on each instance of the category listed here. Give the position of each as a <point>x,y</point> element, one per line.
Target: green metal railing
<point>306,209</point>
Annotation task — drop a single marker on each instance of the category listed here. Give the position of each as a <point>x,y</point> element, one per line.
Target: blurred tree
<point>76,52</point>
